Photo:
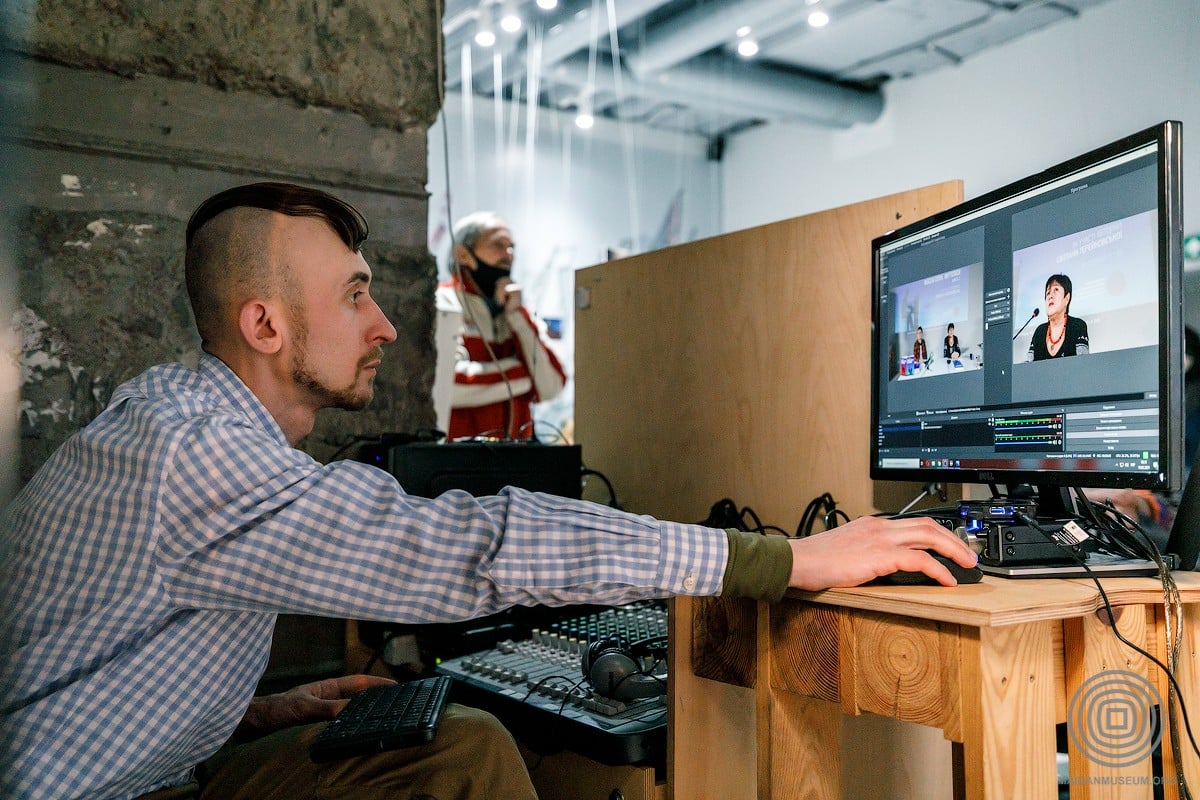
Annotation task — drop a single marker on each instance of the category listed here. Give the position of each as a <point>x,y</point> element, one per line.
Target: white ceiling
<point>678,67</point>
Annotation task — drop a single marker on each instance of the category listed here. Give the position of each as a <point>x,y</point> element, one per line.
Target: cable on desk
<point>1172,611</point>
<point>726,514</point>
<point>823,505</point>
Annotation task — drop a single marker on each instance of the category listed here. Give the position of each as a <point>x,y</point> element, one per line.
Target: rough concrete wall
<point>103,298</point>
<point>377,58</point>
<point>118,157</point>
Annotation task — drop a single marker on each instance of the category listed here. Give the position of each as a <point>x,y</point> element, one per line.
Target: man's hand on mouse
<point>870,547</point>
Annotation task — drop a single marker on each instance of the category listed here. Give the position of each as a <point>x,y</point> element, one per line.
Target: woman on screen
<point>1061,334</point>
<point>950,346</point>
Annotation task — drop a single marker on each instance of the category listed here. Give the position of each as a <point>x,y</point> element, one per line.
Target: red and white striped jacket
<point>481,398</point>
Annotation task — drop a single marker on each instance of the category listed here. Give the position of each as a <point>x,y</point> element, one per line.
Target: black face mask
<point>487,276</point>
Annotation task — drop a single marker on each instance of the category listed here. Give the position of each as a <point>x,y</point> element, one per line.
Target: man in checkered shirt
<point>148,559</point>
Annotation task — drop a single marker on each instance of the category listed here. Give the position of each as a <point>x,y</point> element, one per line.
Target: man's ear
<point>462,256</point>
<point>260,323</point>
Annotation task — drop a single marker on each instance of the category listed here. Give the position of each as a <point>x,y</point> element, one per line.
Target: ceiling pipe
<point>794,27</point>
<point>702,28</point>
<point>560,42</point>
<point>749,89</point>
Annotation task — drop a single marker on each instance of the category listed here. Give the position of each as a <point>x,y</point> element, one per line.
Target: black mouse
<point>962,574</point>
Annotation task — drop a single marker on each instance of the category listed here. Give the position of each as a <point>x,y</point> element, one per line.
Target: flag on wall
<point>668,232</point>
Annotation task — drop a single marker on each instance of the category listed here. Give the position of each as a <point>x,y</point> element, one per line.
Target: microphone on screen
<point>1031,316</point>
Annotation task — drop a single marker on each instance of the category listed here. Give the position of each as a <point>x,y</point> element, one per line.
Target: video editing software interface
<point>980,395</point>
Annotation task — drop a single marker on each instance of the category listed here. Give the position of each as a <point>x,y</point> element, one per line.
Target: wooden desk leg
<point>799,738</point>
<point>1110,695</point>
<point>799,746</point>
<point>1008,712</point>
<point>710,749</point>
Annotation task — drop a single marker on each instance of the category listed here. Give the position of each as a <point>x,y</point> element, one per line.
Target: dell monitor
<point>1033,336</point>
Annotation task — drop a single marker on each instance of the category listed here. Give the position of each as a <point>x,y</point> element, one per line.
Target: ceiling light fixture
<point>583,111</point>
<point>818,19</point>
<point>747,48</point>
<point>743,31</point>
<point>510,20</point>
<point>485,34</point>
<point>547,5</point>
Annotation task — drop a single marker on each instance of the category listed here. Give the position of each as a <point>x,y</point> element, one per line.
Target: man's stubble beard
<point>350,398</point>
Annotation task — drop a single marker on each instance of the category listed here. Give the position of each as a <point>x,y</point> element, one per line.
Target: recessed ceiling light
<point>547,5</point>
<point>584,121</point>
<point>747,48</point>
<point>510,20</point>
<point>743,31</point>
<point>818,19</point>
<point>485,35</point>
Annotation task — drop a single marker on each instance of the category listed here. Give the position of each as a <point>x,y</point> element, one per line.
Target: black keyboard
<point>384,718</point>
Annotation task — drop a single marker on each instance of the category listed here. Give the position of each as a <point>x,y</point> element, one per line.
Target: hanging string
<point>627,140</point>
<point>467,99</point>
<point>533,76</point>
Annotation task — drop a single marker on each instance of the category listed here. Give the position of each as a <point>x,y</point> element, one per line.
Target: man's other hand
<point>312,702</point>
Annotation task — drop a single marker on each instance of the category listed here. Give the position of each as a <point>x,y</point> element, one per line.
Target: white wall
<point>1006,113</point>
<point>569,196</point>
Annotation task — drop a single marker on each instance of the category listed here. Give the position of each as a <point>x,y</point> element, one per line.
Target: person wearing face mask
<point>502,362</point>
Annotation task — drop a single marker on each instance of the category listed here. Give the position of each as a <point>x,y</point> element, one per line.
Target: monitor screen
<point>1034,335</point>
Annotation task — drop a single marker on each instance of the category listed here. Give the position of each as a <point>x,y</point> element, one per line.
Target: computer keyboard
<point>384,718</point>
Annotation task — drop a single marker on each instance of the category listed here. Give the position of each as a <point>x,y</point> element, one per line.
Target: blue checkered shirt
<point>151,554</point>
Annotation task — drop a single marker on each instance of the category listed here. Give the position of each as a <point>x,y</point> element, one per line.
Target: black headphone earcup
<point>612,670</point>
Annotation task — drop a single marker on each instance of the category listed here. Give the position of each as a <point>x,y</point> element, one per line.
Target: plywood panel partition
<point>736,366</point>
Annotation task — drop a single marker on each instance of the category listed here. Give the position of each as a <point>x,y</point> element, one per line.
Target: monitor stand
<point>1053,502</point>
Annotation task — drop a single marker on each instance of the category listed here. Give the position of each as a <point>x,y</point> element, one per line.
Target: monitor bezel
<point>1166,136</point>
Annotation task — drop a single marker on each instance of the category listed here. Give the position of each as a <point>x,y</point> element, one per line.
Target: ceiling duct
<point>703,28</point>
<point>756,91</point>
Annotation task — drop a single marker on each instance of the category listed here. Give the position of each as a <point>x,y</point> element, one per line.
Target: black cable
<point>935,512</point>
<point>758,526</point>
<point>823,505</point>
<point>358,439</point>
<point>531,426</point>
<point>389,439</point>
<point>612,493</point>
<point>1112,620</point>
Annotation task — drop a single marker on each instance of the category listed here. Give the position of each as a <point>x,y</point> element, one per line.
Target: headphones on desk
<point>617,669</point>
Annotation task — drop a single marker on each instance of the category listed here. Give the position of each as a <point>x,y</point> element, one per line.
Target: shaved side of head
<point>232,260</point>
<point>235,243</point>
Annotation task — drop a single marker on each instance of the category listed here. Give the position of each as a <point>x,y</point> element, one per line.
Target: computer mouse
<point>961,574</point>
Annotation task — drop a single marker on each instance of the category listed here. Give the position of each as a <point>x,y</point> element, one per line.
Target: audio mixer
<point>538,688</point>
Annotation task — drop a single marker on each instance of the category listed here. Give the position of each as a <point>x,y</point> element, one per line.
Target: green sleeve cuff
<point>759,566</point>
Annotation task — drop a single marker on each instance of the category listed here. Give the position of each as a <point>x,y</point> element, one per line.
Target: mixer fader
<point>538,687</point>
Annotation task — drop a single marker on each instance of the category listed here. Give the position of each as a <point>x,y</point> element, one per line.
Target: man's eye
<point>354,297</point>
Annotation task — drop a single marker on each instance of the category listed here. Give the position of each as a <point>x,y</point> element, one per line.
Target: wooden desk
<point>994,666</point>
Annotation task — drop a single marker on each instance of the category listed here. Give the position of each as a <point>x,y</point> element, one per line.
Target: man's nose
<point>382,330</point>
